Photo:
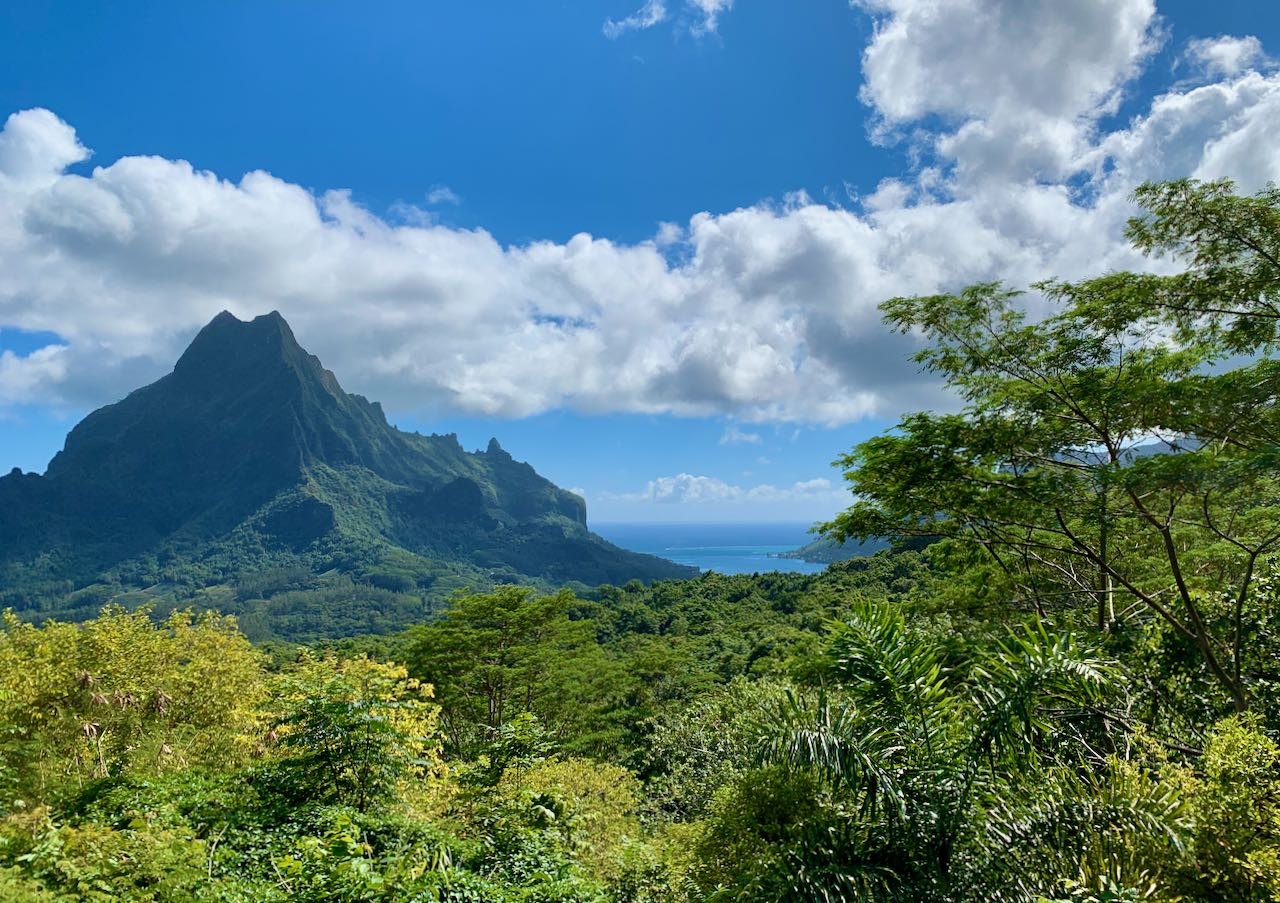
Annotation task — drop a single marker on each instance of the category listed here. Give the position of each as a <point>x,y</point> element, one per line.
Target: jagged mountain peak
<point>226,332</point>
<point>228,350</point>
<point>250,441</point>
<point>243,392</point>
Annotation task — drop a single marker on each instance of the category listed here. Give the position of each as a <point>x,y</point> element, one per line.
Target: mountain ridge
<point>250,455</point>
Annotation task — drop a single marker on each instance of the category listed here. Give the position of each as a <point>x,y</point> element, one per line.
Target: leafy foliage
<point>121,695</point>
<point>353,729</point>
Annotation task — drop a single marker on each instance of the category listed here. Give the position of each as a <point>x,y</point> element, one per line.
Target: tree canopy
<point>1115,451</point>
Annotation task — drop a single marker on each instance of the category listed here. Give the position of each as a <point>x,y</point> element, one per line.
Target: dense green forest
<point>1061,684</point>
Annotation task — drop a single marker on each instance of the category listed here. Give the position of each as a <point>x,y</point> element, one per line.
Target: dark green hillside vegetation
<point>827,550</point>
<point>1067,691</point>
<point>249,459</point>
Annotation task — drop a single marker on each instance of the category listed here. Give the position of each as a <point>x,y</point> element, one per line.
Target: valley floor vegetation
<point>1061,684</point>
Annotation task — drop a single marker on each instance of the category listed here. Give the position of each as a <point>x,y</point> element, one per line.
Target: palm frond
<point>1123,827</point>
<point>892,672</point>
<point>854,755</point>
<point>1017,681</point>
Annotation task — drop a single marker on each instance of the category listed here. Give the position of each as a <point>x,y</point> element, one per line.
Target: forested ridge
<point>1062,683</point>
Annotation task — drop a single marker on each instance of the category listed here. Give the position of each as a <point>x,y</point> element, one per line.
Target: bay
<point>723,548</point>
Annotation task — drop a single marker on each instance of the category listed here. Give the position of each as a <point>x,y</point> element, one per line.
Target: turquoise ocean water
<point>724,548</point>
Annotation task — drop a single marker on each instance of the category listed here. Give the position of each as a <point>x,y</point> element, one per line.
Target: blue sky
<point>645,255</point>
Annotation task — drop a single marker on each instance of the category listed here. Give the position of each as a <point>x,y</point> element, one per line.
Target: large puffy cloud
<point>763,313</point>
<point>126,262</point>
<point>21,377</point>
<point>35,148</point>
<point>982,57</point>
<point>1211,131</point>
<point>1021,81</point>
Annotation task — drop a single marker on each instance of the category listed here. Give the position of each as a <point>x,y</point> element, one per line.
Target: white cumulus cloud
<point>767,313</point>
<point>687,497</point>
<point>1018,82</point>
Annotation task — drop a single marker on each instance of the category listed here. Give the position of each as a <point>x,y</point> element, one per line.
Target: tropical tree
<point>1230,244</point>
<point>494,656</point>
<point>353,728</point>
<point>1099,458</point>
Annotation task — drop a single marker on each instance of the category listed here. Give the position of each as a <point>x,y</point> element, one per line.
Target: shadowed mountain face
<point>248,457</point>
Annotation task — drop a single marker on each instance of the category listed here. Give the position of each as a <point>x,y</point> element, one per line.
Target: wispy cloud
<point>1227,56</point>
<point>700,17</point>
<point>734,436</point>
<point>647,16</point>
<point>443,194</point>
<point>710,12</point>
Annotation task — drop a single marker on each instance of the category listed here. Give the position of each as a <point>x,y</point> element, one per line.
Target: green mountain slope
<point>248,474</point>
<point>825,550</point>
